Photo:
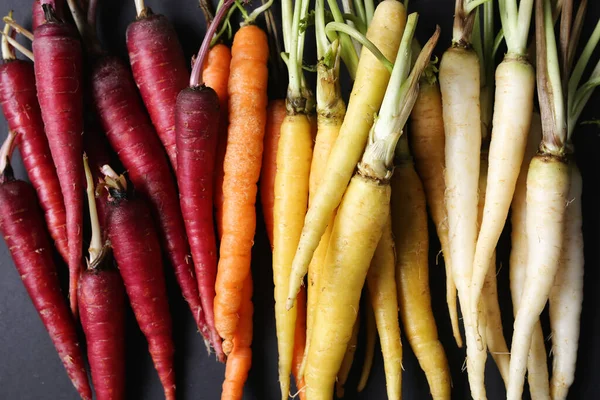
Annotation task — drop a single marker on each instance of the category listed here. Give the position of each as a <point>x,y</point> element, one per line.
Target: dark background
<point>30,368</point>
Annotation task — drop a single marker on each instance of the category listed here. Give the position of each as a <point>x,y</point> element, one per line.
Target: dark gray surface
<point>30,369</point>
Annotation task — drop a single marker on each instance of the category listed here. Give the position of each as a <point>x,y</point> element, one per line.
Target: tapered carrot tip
<point>227,346</point>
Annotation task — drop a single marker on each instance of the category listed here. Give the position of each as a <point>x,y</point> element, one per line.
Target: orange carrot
<point>275,115</point>
<point>247,88</point>
<point>240,358</point>
<point>216,76</point>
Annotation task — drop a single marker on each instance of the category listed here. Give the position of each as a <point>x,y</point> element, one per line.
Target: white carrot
<point>460,85</point>
<point>515,82</point>
<point>547,190</point>
<point>567,294</point>
<point>537,367</point>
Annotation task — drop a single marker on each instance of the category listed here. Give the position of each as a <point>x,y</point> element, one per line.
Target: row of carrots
<point>344,188</point>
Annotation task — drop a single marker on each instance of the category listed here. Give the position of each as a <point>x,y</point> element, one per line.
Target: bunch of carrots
<point>152,161</point>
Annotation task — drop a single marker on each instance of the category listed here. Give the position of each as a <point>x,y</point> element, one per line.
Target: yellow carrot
<point>381,282</point>
<point>409,223</point>
<point>367,94</point>
<point>359,224</point>
<point>294,155</point>
<point>348,360</point>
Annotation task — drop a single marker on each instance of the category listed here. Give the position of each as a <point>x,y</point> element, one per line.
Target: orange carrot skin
<point>132,136</point>
<point>136,250</point>
<point>160,71</point>
<point>58,76</point>
<point>247,119</point>
<point>24,232</point>
<point>216,76</point>
<point>18,97</point>
<point>102,313</point>
<point>275,115</point>
<point>240,358</point>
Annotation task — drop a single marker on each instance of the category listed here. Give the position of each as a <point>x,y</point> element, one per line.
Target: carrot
<point>216,75</point>
<point>371,337</point>
<point>247,90</point>
<point>330,114</point>
<point>409,224</point>
<point>300,343</point>
<point>384,299</point>
<point>427,142</point>
<point>21,109</point>
<point>513,106</point>
<point>537,367</point>
<point>240,357</point>
<point>275,115</point>
<point>102,310</point>
<point>352,137</point>
<point>132,136</point>
<point>23,230</point>
<point>136,250</point>
<point>294,155</point>
<point>196,128</point>
<point>547,190</point>
<point>460,87</point>
<point>58,70</point>
<point>359,223</point>
<point>159,69</point>
<point>490,318</point>
<point>566,295</point>
<point>348,360</point>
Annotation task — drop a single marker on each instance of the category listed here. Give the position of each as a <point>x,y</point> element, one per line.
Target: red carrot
<point>131,134</point>
<point>58,71</point>
<point>197,125</point>
<point>101,308</point>
<point>137,251</point>
<point>159,69</point>
<point>24,232</point>
<point>18,98</point>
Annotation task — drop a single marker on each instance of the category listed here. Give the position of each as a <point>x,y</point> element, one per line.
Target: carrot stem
<point>95,248</point>
<point>362,39</point>
<point>8,52</point>
<point>196,75</point>
<point>348,54</point>
<point>13,24</point>
<point>140,7</point>
<point>26,52</point>
<point>6,151</point>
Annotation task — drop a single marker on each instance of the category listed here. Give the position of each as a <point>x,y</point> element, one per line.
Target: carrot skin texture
<point>247,120</point>
<point>101,310</point>
<point>131,134</point>
<point>196,126</point>
<point>136,249</point>
<point>18,97</point>
<point>275,115</point>
<point>24,232</point>
<point>240,358</point>
<point>58,77</point>
<point>216,76</point>
<point>160,72</point>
